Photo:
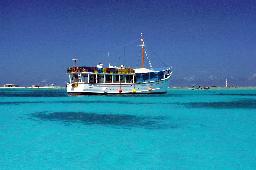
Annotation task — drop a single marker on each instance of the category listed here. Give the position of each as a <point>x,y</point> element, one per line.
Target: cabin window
<point>92,78</point>
<point>153,76</point>
<point>115,78</point>
<point>160,75</point>
<point>74,78</point>
<point>108,78</point>
<point>100,78</point>
<point>139,78</point>
<point>85,78</point>
<point>145,77</point>
<point>122,78</point>
<point>129,78</point>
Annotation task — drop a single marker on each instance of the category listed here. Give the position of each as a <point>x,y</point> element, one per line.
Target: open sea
<point>183,129</point>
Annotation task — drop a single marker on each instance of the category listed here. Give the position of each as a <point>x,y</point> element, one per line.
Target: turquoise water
<point>184,129</point>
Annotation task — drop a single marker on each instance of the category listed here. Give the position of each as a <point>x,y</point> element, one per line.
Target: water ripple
<point>235,94</point>
<point>18,103</point>
<point>237,104</point>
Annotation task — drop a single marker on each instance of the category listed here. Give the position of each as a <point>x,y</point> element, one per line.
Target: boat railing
<point>100,70</point>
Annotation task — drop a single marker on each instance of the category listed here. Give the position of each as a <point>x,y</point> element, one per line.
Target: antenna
<point>74,61</point>
<point>149,62</point>
<point>142,50</point>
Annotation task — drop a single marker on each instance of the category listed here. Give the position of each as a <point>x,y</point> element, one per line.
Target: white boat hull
<point>104,89</point>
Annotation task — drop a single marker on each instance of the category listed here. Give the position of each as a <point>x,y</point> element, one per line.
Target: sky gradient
<point>204,41</point>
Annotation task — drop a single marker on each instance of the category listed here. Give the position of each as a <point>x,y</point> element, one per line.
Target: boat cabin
<point>121,75</point>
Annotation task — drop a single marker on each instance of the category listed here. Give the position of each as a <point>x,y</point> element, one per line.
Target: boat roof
<point>146,70</point>
<point>143,70</point>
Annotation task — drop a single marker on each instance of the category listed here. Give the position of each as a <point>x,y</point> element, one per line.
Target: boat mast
<point>142,50</point>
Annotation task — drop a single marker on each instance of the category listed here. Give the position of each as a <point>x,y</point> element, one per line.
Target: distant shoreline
<point>57,87</point>
<point>216,88</point>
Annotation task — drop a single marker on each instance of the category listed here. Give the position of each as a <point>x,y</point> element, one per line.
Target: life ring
<point>120,90</point>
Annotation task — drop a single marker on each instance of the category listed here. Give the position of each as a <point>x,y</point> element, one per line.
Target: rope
<point>149,62</point>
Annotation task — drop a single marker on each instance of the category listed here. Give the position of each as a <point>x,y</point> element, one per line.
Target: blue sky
<point>204,41</point>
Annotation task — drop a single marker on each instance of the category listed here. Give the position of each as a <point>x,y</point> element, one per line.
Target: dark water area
<point>118,120</point>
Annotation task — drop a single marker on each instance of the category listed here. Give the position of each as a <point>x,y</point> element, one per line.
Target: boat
<point>51,86</point>
<point>84,80</point>
<point>11,85</point>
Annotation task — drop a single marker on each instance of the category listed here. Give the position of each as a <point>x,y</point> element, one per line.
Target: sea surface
<point>183,129</point>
